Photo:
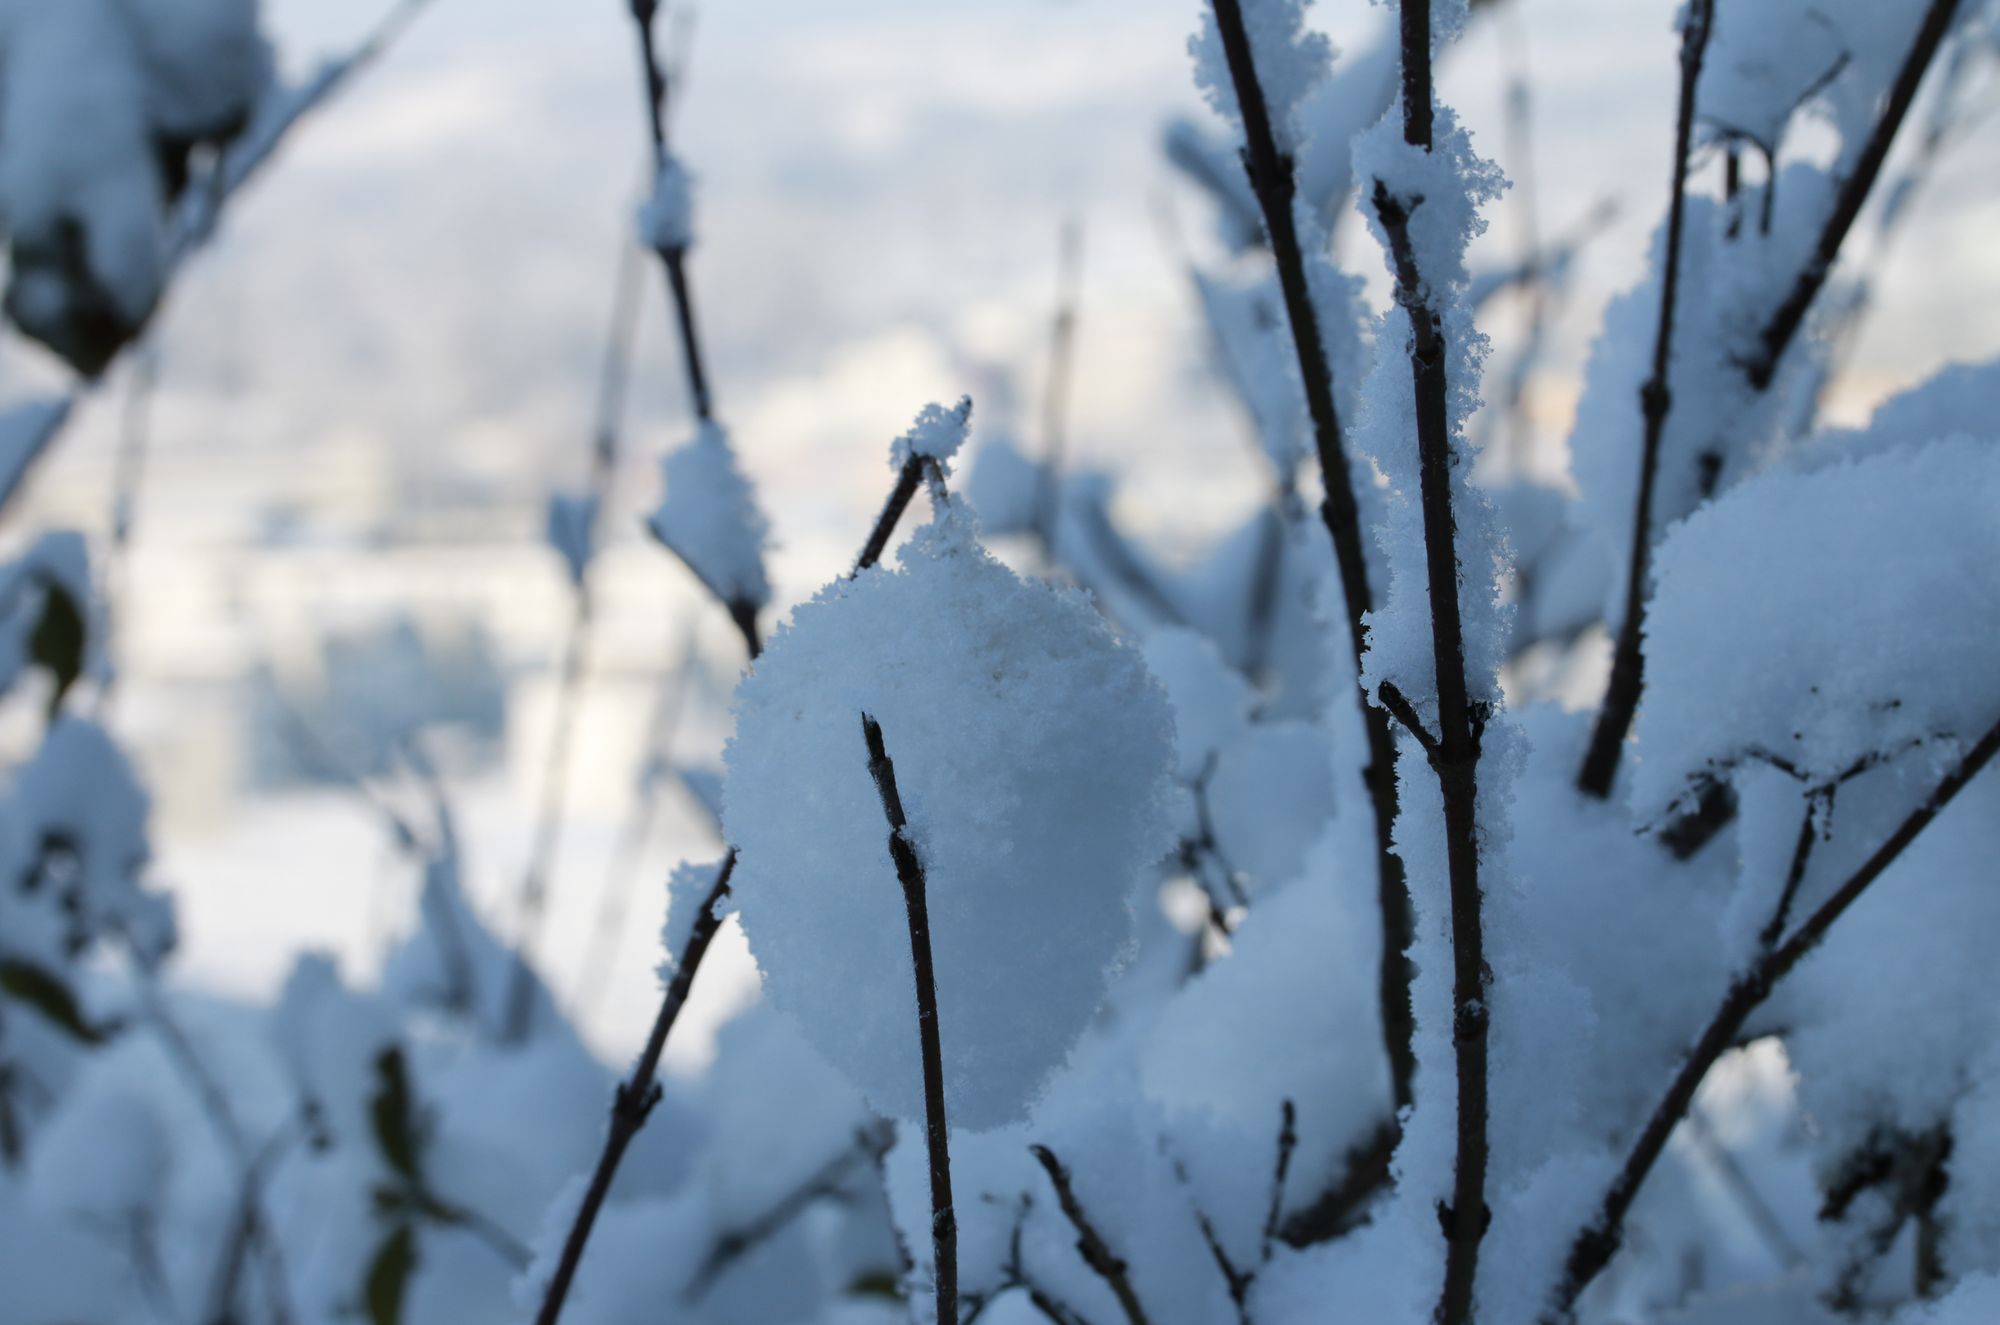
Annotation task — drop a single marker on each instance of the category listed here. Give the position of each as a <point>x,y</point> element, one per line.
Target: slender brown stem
<point>1096,1253</point>
<point>910,873</point>
<point>673,258</point>
<point>892,512</point>
<point>1621,698</point>
<point>634,1099</point>
<point>1598,1241</point>
<point>1854,191</point>
<point>1794,876</point>
<point>1454,756</point>
<point>1272,179</point>
<point>1055,396</point>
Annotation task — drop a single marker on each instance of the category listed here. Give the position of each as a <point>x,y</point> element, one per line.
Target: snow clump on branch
<point>1031,749</point>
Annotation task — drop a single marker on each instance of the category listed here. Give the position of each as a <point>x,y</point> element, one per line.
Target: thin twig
<point>918,468</point>
<point>613,381</point>
<point>1288,1140</point>
<point>892,511</point>
<point>870,1144</point>
<point>1598,1241</point>
<point>1055,394</point>
<point>937,1136</point>
<point>222,1117</point>
<point>1273,181</point>
<point>1795,875</point>
<point>673,258</point>
<point>1089,1244</point>
<point>634,1099</point>
<point>1854,190</point>
<point>1456,758</point>
<point>1621,697</point>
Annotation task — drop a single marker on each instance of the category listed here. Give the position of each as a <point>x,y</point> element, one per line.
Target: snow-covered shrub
<point>1165,945</point>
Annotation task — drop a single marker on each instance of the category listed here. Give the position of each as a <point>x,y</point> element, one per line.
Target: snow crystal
<point>937,433</point>
<point>1030,749</point>
<point>709,519</point>
<point>666,219</point>
<point>1291,61</point>
<point>1821,619</point>
<point>687,890</point>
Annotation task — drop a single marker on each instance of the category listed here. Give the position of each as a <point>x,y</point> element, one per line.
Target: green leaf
<point>57,643</point>
<point>47,995</point>
<point>389,1274</point>
<point>395,1116</point>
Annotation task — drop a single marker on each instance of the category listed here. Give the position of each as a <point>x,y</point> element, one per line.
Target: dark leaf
<point>394,1115</point>
<point>389,1274</point>
<point>58,641</point>
<point>47,995</point>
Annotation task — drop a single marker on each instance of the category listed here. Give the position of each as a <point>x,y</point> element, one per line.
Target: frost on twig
<point>924,451</point>
<point>634,1100</point>
<point>1294,60</point>
<point>937,1131</point>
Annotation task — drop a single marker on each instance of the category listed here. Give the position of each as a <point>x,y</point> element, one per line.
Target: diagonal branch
<point>1621,698</point>
<point>1089,1244</point>
<point>1598,1241</point>
<point>1854,190</point>
<point>1273,181</point>
<point>937,1135</point>
<point>634,1100</point>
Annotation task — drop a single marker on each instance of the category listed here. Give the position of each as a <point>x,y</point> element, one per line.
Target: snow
<point>79,792</point>
<point>25,430</point>
<point>1868,596</point>
<point>708,518</point>
<point>666,218</point>
<point>687,890</point>
<point>1029,747</point>
<point>1291,61</point>
<point>89,88</point>
<point>937,433</point>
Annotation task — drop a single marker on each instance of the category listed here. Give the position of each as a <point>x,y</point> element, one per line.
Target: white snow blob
<point>1031,750</point>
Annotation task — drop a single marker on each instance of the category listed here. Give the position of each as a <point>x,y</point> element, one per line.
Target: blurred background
<point>363,392</point>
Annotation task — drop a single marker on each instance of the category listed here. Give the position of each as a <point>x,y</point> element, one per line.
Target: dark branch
<point>1854,191</point>
<point>1795,875</point>
<point>1460,722</point>
<point>1271,178</point>
<point>634,1099</point>
<point>910,873</point>
<point>1596,1243</point>
<point>1404,712</point>
<point>1288,1140</point>
<point>1096,1254</point>
<point>1621,698</point>
<point>673,259</point>
<point>892,512</point>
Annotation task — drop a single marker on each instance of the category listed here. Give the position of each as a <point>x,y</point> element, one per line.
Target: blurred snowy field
<point>367,387</point>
